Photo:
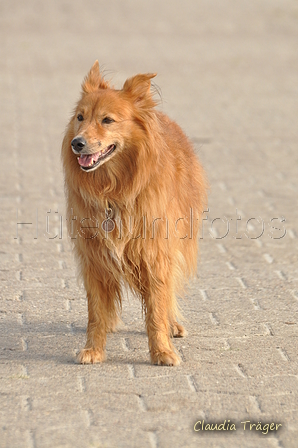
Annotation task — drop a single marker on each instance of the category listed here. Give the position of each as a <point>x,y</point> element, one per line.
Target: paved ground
<point>228,72</point>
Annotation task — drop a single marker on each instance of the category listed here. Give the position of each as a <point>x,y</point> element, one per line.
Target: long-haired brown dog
<point>135,196</point>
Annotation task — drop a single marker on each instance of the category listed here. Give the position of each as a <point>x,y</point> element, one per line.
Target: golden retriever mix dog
<point>135,196</point>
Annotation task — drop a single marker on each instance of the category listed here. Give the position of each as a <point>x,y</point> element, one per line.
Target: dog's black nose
<point>78,143</point>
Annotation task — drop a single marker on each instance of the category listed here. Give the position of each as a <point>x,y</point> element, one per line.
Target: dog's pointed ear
<point>138,87</point>
<point>94,81</point>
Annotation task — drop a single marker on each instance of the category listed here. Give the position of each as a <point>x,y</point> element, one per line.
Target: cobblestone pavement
<point>228,71</point>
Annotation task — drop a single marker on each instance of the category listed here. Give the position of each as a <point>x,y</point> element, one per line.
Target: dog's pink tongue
<point>86,159</point>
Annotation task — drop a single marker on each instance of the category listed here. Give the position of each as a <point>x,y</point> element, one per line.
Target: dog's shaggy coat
<point>133,212</point>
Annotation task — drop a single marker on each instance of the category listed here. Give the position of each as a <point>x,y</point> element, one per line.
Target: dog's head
<point>106,121</point>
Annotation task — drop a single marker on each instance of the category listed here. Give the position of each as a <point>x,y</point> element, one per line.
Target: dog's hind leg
<point>177,330</point>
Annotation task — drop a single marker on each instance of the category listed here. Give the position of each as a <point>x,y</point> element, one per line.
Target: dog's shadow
<point>60,343</point>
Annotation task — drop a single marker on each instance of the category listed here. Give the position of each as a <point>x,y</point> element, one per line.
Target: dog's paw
<point>178,331</point>
<point>90,356</point>
<point>165,358</point>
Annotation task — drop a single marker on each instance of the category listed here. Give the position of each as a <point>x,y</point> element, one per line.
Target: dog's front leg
<point>94,350</point>
<point>162,351</point>
<point>102,315</point>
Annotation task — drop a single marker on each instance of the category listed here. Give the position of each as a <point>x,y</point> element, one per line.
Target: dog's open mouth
<point>89,162</point>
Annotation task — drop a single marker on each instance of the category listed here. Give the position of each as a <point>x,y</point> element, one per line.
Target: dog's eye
<point>80,117</point>
<point>108,120</point>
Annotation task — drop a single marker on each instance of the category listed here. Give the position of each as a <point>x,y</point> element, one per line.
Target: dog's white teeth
<point>92,162</point>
